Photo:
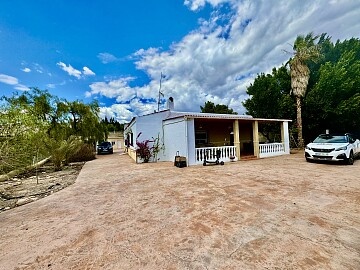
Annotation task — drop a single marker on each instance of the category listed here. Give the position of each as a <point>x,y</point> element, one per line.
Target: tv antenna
<point>162,76</point>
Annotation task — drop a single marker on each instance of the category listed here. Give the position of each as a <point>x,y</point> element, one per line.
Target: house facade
<point>199,135</point>
<point>117,140</point>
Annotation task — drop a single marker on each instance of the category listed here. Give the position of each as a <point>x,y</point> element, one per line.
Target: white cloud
<point>75,72</point>
<point>120,112</point>
<point>70,70</point>
<point>38,68</point>
<point>223,56</point>
<point>8,79</point>
<point>27,70</point>
<point>198,4</point>
<point>118,89</point>
<point>21,87</point>
<point>106,58</point>
<point>88,72</point>
<point>206,64</point>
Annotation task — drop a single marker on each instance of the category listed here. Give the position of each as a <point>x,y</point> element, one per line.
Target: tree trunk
<point>299,122</point>
<point>5,177</point>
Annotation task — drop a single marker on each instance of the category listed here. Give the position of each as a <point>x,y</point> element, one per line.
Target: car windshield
<point>104,144</point>
<point>327,138</point>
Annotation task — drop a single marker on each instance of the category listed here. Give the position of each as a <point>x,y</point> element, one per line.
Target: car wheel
<point>308,159</point>
<point>350,160</point>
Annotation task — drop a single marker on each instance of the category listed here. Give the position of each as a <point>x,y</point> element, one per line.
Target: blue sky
<point>114,51</point>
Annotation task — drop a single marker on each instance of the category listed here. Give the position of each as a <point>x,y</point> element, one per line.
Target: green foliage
<point>85,153</point>
<point>270,95</point>
<point>332,102</point>
<point>84,121</point>
<point>210,107</point>
<point>20,136</point>
<point>332,99</point>
<point>112,125</point>
<point>270,98</point>
<point>61,151</point>
<point>36,122</point>
<point>305,51</point>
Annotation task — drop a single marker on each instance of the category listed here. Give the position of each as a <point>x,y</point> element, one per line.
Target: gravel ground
<point>32,186</point>
<point>274,213</point>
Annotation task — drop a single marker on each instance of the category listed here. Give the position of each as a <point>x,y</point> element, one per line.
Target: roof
<point>173,115</point>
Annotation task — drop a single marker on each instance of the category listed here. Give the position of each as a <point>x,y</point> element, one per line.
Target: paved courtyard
<point>275,213</point>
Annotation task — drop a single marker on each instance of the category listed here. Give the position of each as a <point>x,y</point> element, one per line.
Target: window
<point>131,139</point>
<point>200,137</point>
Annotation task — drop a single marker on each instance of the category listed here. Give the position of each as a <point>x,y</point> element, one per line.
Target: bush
<point>85,153</point>
<point>62,150</point>
<point>144,150</point>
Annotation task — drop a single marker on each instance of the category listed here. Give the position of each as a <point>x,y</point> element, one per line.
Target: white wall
<point>175,138</point>
<point>129,129</point>
<point>150,127</point>
<point>191,141</point>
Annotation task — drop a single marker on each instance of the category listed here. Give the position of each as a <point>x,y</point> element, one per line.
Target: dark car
<point>105,148</point>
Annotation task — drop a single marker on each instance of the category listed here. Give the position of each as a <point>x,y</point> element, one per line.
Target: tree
<point>210,107</point>
<point>305,50</point>
<point>36,122</point>
<point>112,125</point>
<point>21,134</point>
<point>332,102</point>
<point>85,122</point>
<point>270,98</point>
<point>332,96</point>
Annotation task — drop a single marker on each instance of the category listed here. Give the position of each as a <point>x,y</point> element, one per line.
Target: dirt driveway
<point>275,213</point>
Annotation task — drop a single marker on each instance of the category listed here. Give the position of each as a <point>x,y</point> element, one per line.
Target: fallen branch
<point>8,176</point>
<point>9,197</point>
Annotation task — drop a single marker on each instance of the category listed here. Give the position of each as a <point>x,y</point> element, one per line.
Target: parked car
<point>333,147</point>
<point>105,148</point>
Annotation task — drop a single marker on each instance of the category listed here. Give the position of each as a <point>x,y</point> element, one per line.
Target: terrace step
<point>245,158</point>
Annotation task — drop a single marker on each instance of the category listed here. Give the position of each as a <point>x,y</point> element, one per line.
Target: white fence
<point>227,153</point>
<point>271,150</point>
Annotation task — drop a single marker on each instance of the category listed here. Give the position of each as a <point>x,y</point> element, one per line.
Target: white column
<point>285,136</point>
<point>236,138</point>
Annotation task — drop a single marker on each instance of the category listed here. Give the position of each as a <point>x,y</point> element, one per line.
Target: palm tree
<point>305,50</point>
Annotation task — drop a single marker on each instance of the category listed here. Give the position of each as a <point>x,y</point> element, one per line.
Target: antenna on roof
<point>160,93</point>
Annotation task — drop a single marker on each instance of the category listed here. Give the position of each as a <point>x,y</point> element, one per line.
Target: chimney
<point>170,104</point>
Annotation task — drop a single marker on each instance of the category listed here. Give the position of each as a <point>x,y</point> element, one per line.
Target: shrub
<point>146,151</point>
<point>61,150</point>
<point>85,153</point>
<point>143,150</point>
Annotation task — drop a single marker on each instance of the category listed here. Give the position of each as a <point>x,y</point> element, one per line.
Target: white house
<point>195,135</point>
<point>117,140</point>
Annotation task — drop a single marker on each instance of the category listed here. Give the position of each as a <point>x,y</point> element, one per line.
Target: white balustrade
<point>271,150</point>
<point>227,153</point>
